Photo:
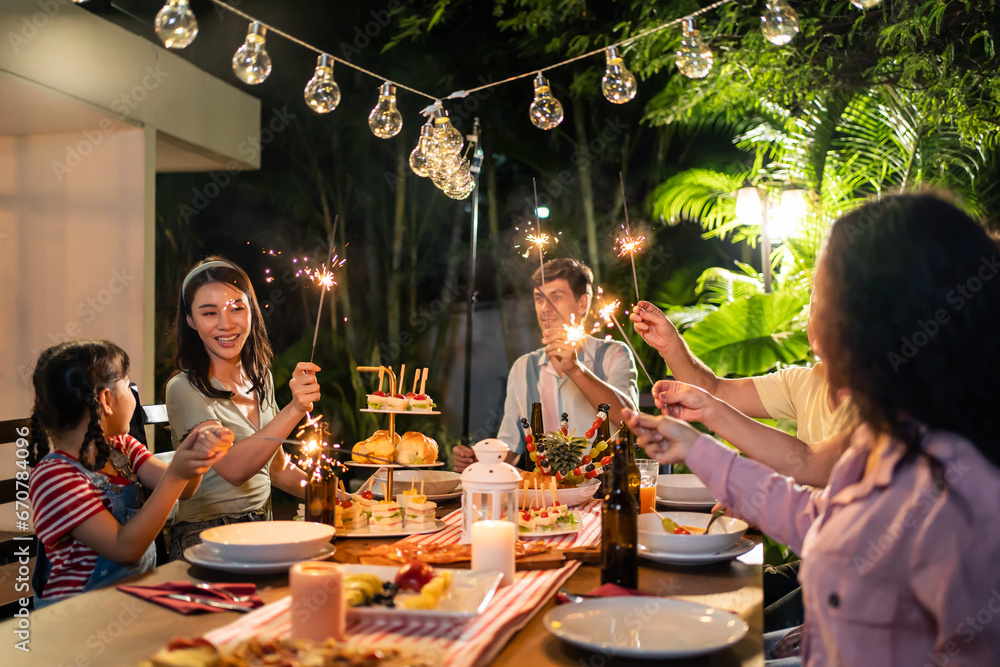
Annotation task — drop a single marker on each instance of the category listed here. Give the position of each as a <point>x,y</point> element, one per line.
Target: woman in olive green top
<point>224,359</point>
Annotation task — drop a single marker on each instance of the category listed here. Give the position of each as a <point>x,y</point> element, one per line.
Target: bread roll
<point>378,446</point>
<point>416,448</point>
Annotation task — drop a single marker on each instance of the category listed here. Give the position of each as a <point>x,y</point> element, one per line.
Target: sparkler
<point>323,276</point>
<point>574,332</point>
<point>607,314</point>
<point>628,243</point>
<point>542,239</point>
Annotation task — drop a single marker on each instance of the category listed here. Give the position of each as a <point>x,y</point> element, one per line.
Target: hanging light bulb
<point>385,119</point>
<point>251,62</point>
<point>694,58</point>
<point>322,92</point>
<point>780,23</point>
<point>175,24</point>
<point>866,4</point>
<point>618,84</point>
<point>546,112</point>
<point>418,156</point>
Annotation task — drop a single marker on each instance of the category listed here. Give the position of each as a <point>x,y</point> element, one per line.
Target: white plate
<point>686,505</point>
<point>645,627</point>
<point>267,541</point>
<point>469,594</point>
<point>401,412</point>
<point>435,498</point>
<point>436,464</point>
<point>565,530</point>
<point>726,532</point>
<point>543,497</point>
<point>743,546</point>
<point>202,554</point>
<point>684,487</point>
<point>368,532</point>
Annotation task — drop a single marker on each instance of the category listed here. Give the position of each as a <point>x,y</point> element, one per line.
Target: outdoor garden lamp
<point>385,119</point>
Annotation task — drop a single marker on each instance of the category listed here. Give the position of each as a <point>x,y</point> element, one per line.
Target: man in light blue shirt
<point>571,377</point>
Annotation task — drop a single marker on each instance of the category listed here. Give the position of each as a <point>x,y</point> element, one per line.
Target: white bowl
<point>726,532</point>
<point>543,498</point>
<point>436,482</point>
<point>267,541</point>
<point>684,488</point>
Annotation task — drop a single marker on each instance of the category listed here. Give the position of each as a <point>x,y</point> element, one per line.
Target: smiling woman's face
<point>221,315</point>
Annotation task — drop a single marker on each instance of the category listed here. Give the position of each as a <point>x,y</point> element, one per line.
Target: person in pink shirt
<point>901,550</point>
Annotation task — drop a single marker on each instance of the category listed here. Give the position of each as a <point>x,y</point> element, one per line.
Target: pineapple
<point>563,452</point>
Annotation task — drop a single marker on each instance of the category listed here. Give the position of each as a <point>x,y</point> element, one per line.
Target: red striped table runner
<point>448,643</point>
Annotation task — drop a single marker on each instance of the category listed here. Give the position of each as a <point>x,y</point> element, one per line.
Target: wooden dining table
<point>108,627</point>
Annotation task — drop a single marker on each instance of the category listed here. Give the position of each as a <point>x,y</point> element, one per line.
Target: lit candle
<point>493,548</point>
<point>318,610</point>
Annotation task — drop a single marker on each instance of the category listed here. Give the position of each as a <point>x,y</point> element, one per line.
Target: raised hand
<point>200,450</point>
<point>683,401</point>
<point>654,327</point>
<point>562,354</point>
<point>304,386</point>
<point>665,439</point>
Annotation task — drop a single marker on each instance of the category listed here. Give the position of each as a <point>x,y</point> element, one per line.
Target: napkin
<point>156,594</point>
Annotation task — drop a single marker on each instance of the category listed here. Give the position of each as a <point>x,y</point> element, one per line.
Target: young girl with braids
<point>85,488</point>
<point>224,358</point>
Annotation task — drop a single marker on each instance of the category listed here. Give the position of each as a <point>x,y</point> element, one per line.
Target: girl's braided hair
<point>67,380</point>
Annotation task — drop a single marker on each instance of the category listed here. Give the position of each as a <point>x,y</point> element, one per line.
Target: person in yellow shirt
<point>823,417</point>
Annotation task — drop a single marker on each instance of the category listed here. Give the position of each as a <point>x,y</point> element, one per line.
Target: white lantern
<point>489,487</point>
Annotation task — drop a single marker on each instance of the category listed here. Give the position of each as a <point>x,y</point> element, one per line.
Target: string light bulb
<point>251,62</point>
<point>175,24</point>
<point>322,92</point>
<point>618,84</point>
<point>385,119</point>
<point>418,156</point>
<point>546,111</point>
<point>694,58</point>
<point>779,22</point>
<point>866,4</point>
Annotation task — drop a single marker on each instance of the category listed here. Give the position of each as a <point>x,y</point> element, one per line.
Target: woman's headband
<point>214,264</point>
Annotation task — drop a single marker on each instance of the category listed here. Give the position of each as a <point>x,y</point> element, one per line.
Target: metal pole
<point>476,168</point>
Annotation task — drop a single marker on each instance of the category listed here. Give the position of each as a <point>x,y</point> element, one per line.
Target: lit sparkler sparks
<point>574,332</point>
<point>606,314</point>
<point>629,245</point>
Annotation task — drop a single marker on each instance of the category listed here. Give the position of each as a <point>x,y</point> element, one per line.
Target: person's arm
<point>783,453</point>
<point>252,453</point>
<point>563,356</point>
<point>776,504</point>
<point>215,441</point>
<point>287,476</point>
<point>659,333</point>
<point>125,544</point>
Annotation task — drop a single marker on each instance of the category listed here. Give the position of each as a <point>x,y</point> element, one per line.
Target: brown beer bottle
<point>537,429</point>
<point>634,478</point>
<point>620,525</point>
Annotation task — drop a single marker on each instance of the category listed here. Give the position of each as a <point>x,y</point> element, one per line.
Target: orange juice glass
<point>649,471</point>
